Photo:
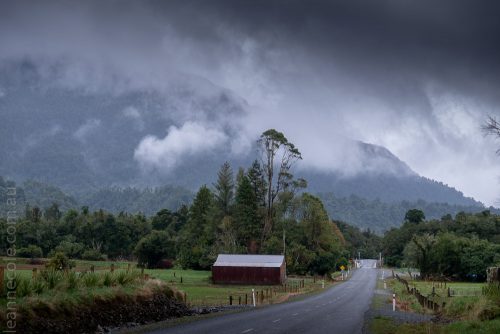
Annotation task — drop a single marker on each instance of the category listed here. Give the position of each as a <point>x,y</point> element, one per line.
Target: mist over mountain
<point>85,140</point>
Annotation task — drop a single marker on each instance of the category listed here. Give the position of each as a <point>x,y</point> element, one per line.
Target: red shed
<point>249,269</point>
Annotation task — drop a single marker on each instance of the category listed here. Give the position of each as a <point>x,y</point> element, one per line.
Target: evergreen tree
<point>247,218</point>
<point>258,182</point>
<point>224,189</point>
<point>199,233</point>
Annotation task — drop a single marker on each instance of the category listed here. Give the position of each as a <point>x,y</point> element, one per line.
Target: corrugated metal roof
<point>239,260</point>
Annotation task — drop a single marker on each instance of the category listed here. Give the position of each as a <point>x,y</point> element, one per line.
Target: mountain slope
<point>83,140</point>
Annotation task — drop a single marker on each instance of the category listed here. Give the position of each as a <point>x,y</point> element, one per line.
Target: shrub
<point>93,255</point>
<point>125,278</point>
<point>108,279</point>
<point>59,261</point>
<point>32,251</point>
<point>70,249</point>
<point>165,264</point>
<point>38,285</point>
<point>90,280</point>
<point>23,286</point>
<point>71,280</point>
<point>52,277</point>
<point>155,246</point>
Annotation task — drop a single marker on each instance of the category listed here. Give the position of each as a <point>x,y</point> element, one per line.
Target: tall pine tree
<point>247,218</point>
<point>224,189</point>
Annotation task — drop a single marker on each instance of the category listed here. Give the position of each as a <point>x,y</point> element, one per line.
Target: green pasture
<point>196,284</point>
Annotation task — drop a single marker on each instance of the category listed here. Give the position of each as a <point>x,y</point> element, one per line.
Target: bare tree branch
<point>492,127</point>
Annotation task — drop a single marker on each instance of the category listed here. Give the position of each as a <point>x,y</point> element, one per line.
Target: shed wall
<point>248,275</point>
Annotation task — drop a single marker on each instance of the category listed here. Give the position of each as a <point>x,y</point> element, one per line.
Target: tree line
<point>460,247</point>
<point>262,209</point>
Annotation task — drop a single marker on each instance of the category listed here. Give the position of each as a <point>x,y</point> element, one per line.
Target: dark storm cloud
<point>418,77</point>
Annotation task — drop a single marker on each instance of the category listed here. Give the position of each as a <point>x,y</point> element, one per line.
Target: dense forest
<point>375,215</point>
<point>459,247</point>
<point>380,216</point>
<point>261,209</point>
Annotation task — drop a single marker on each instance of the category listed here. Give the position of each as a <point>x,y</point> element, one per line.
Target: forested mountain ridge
<point>115,200</point>
<point>379,216</point>
<point>375,215</point>
<point>84,140</point>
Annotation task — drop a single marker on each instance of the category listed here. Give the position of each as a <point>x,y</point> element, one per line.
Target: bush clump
<point>59,261</point>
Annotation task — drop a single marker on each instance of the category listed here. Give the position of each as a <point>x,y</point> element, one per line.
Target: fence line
<point>423,300</point>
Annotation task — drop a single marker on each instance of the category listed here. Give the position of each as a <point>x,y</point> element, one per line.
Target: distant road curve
<point>339,309</point>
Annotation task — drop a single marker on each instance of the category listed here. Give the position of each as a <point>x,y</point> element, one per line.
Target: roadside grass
<point>384,325</point>
<point>469,304</point>
<point>201,291</point>
<point>54,285</point>
<point>196,284</point>
<point>469,310</point>
<point>67,305</point>
<point>405,299</point>
<point>80,265</point>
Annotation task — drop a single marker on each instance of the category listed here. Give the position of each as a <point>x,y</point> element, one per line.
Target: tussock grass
<point>90,280</point>
<point>52,282</point>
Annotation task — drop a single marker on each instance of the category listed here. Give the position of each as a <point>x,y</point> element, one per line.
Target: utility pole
<point>284,242</point>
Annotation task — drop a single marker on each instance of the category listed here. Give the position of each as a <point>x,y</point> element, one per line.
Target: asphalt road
<point>339,309</point>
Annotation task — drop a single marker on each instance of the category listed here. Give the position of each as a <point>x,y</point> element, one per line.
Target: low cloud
<point>87,129</point>
<point>190,139</point>
<point>417,78</point>
<point>135,116</point>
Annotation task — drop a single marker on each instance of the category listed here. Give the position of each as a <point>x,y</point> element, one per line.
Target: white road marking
<point>247,330</point>
<point>276,320</point>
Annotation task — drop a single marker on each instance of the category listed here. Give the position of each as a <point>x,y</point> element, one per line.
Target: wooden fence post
<point>246,299</point>
<point>33,275</point>
<point>1,278</point>
<point>181,279</point>
<point>128,267</point>
<point>230,300</point>
<point>112,267</point>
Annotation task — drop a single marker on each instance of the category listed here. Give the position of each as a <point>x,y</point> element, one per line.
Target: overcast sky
<point>418,77</point>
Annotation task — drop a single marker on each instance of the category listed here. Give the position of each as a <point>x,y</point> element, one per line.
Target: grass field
<point>195,284</point>
<point>468,309</point>
<point>383,325</point>
<point>200,291</point>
